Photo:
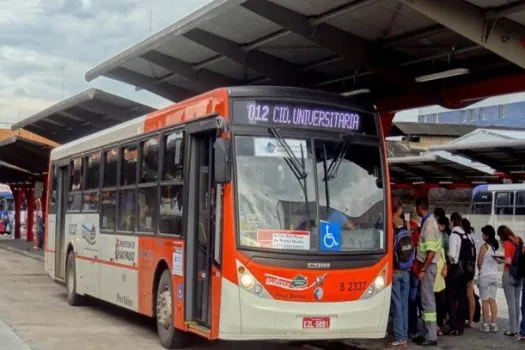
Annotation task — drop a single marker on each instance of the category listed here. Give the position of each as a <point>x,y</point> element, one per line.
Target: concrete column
<point>30,199</point>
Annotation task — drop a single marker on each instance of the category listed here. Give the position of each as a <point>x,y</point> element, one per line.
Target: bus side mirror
<point>222,163</point>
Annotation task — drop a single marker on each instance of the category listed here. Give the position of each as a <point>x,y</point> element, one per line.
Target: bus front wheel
<point>170,337</point>
<point>71,282</point>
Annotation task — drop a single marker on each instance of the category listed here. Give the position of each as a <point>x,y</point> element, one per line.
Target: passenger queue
<point>435,264</point>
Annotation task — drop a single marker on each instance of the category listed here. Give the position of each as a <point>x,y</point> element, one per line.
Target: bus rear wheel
<point>169,336</point>
<point>71,282</point>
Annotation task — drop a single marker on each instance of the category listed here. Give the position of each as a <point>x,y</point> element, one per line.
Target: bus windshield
<point>309,194</point>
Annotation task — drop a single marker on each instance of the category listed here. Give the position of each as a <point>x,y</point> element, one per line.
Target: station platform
<point>21,246</point>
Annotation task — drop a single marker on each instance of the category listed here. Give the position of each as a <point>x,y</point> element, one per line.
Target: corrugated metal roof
<point>336,46</point>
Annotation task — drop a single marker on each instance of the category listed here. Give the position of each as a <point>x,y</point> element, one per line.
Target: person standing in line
<point>469,231</point>
<point>414,300</point>
<point>456,281</point>
<point>403,255</point>
<point>440,292</point>
<point>488,279</point>
<point>511,285</point>
<point>429,246</point>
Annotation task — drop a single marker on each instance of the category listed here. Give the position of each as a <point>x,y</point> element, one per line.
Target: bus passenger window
<point>53,199</point>
<point>504,203</point>
<point>170,219</point>
<point>173,161</point>
<point>129,157</point>
<point>126,211</point>
<point>147,207</point>
<point>108,213</point>
<point>110,168</point>
<point>149,160</point>
<point>482,203</point>
<point>90,201</point>
<point>75,184</point>
<point>520,203</point>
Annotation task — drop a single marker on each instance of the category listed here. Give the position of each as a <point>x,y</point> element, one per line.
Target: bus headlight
<point>377,285</point>
<point>249,283</point>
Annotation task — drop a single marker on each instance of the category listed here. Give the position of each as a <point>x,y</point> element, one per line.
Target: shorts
<point>488,287</point>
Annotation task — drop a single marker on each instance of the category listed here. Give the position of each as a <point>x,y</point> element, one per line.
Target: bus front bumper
<point>245,316</point>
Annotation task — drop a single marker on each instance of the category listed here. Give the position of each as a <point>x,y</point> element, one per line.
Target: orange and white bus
<point>245,213</point>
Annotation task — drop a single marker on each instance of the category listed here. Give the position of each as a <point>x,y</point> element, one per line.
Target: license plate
<point>316,322</point>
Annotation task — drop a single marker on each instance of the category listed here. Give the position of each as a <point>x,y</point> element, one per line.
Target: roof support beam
<point>454,174</point>
<point>205,77</point>
<point>506,10</point>
<point>493,163</point>
<point>169,92</point>
<point>357,52</point>
<point>106,109</point>
<point>501,37</point>
<point>280,71</point>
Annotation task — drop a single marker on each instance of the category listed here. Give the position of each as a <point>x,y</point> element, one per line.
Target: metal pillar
<point>19,197</point>
<point>30,199</point>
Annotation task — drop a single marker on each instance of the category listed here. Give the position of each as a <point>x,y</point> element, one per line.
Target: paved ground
<point>34,315</point>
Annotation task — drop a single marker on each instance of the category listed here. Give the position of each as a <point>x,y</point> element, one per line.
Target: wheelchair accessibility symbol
<point>330,236</point>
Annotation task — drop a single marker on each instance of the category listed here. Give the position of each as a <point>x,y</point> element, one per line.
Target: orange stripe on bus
<point>105,262</point>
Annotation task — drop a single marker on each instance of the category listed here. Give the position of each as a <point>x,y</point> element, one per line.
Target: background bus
<point>499,205</point>
<point>244,213</point>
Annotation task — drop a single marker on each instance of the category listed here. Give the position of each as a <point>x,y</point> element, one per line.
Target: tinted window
<point>147,209</point>
<point>92,171</point>
<point>170,217</point>
<point>76,168</point>
<point>520,203</point>
<point>482,203</point>
<point>126,210</point>
<point>173,156</point>
<point>53,192</point>
<point>110,168</point>
<point>90,202</point>
<point>74,201</point>
<point>129,157</point>
<point>504,203</point>
<point>108,204</point>
<point>150,160</point>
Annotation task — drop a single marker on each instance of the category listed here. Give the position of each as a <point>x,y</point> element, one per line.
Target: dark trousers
<point>441,307</point>
<point>414,302</point>
<point>457,298</point>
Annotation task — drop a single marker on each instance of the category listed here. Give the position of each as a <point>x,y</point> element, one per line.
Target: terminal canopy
<point>81,115</point>
<point>10,175</point>
<point>504,156</point>
<point>402,53</point>
<point>26,154</point>
<point>434,169</point>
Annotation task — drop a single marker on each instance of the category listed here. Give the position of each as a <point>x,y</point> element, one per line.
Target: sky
<point>46,47</point>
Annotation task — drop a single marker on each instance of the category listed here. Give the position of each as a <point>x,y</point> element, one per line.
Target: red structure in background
<point>30,199</point>
<point>19,198</point>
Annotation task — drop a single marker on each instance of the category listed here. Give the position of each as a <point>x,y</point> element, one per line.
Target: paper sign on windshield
<point>283,239</point>
<point>268,147</point>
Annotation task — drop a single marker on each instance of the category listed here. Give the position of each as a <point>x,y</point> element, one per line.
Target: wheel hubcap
<point>164,308</point>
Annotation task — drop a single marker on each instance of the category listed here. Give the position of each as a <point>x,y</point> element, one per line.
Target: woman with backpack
<point>401,278</point>
<point>512,282</point>
<point>469,230</point>
<point>488,279</point>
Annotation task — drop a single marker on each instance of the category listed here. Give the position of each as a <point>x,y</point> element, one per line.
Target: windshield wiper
<point>298,168</point>
<point>336,162</point>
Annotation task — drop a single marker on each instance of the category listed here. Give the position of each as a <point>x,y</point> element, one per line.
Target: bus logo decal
<point>125,250</point>
<point>89,234</point>
<point>296,284</point>
<point>318,293</point>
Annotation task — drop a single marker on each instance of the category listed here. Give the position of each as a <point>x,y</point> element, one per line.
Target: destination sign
<point>296,115</point>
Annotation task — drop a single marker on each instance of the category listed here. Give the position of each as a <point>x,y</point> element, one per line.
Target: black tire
<point>169,337</point>
<point>71,283</point>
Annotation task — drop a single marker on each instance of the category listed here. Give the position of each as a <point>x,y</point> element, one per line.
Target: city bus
<point>245,213</point>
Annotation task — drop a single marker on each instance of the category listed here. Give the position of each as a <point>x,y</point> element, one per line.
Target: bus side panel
<point>154,251</point>
<point>49,241</point>
<point>118,259</point>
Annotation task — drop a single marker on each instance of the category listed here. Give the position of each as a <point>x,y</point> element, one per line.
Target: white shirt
<point>454,245</point>
<point>489,266</point>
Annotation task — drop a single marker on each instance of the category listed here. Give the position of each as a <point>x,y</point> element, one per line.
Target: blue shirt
<point>425,218</point>
<point>337,217</point>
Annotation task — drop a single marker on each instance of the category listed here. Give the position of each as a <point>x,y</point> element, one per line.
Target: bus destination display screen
<point>267,113</point>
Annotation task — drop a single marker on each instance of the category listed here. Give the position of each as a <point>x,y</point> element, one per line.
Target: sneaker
<point>494,327</point>
<point>399,344</point>
<point>484,328</point>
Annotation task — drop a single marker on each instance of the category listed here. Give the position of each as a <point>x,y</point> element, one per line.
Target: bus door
<point>60,224</point>
<point>201,200</point>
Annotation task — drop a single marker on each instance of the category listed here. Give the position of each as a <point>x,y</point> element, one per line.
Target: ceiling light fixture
<point>442,75</point>
<point>355,92</point>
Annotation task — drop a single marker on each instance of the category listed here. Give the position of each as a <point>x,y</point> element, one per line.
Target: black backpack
<point>467,256</point>
<point>404,252</point>
<point>516,269</point>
